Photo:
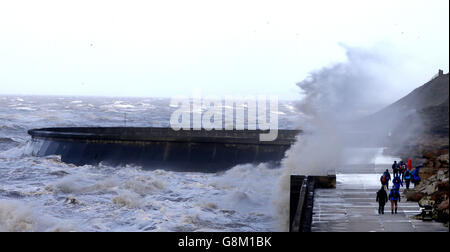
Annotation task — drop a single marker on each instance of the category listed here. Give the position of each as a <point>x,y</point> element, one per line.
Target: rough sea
<point>45,194</point>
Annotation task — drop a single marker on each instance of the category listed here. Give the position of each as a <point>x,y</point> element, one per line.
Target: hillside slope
<point>419,121</point>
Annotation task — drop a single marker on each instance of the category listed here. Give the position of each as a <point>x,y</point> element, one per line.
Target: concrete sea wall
<point>160,148</point>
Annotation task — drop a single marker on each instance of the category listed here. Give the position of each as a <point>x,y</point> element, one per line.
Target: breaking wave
<point>46,194</point>
<point>16,216</point>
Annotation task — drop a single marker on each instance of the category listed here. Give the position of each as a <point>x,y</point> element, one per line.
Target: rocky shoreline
<point>434,188</point>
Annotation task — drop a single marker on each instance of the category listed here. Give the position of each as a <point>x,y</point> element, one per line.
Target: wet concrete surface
<point>351,207</point>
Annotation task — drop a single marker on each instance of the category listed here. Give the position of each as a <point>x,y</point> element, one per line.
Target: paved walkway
<point>351,207</point>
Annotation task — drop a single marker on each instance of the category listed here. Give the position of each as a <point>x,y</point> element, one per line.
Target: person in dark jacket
<point>403,169</point>
<point>394,197</point>
<point>382,198</point>
<point>408,177</point>
<point>395,168</point>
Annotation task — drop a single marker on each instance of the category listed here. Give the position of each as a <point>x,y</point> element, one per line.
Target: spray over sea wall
<point>335,100</point>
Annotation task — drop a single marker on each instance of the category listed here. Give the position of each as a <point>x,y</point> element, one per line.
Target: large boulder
<point>430,189</point>
<point>443,186</point>
<point>412,195</point>
<point>439,196</point>
<point>443,152</point>
<point>421,187</point>
<point>426,201</point>
<point>443,205</point>
<point>443,158</point>
<point>427,172</point>
<point>430,155</point>
<point>443,212</point>
<point>442,174</point>
<point>437,164</point>
<point>444,162</point>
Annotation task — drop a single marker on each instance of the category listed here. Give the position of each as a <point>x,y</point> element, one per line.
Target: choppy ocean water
<point>45,194</point>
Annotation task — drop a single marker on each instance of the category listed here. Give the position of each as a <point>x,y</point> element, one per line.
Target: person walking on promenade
<point>397,182</point>
<point>385,178</point>
<point>395,168</point>
<point>416,175</point>
<point>394,197</point>
<point>403,169</point>
<point>382,198</point>
<point>408,177</point>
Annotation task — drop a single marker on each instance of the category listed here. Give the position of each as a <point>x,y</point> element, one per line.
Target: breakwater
<point>160,148</point>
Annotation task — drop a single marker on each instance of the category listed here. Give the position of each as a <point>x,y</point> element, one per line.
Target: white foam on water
<point>45,194</point>
<point>15,152</point>
<point>25,108</point>
<point>124,106</point>
<point>128,199</point>
<point>131,199</point>
<point>16,216</point>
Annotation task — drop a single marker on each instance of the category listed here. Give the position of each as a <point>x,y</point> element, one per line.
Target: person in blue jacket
<point>416,175</point>
<point>394,197</point>
<point>408,178</point>
<point>397,182</point>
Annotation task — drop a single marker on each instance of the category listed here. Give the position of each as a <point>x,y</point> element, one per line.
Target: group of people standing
<point>402,173</point>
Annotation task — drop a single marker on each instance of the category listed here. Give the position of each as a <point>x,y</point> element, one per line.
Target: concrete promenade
<point>351,207</point>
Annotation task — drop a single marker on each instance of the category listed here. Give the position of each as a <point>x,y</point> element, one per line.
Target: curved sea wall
<point>161,148</point>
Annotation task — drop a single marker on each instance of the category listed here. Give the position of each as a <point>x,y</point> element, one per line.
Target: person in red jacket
<point>385,178</point>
